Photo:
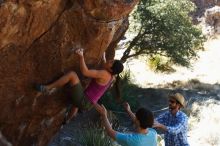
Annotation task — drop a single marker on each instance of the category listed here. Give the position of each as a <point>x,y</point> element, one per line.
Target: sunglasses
<point>172,101</point>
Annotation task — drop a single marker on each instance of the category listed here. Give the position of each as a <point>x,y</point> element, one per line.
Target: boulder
<point>207,16</point>
<point>202,5</point>
<point>212,18</point>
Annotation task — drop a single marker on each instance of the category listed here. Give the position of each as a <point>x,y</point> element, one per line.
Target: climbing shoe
<point>42,89</point>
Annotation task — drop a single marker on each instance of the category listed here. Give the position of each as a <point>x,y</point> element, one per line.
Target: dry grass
<point>204,128</point>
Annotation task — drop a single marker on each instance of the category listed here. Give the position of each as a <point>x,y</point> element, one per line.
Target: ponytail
<point>117,68</point>
<point>117,89</point>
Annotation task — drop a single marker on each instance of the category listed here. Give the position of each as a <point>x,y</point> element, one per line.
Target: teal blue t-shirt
<point>137,139</point>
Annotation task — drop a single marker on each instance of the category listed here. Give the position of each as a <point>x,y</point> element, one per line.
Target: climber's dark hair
<point>117,67</point>
<point>117,89</point>
<point>145,117</point>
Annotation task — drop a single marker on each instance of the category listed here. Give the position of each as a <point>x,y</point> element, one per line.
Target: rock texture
<point>35,42</point>
<point>212,20</point>
<point>202,5</point>
<point>207,15</point>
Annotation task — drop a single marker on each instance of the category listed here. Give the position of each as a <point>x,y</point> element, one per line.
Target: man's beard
<point>171,107</point>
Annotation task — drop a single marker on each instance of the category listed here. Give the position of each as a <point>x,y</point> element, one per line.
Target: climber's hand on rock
<point>79,52</point>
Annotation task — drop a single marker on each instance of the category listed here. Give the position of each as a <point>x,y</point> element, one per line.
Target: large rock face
<point>35,42</point>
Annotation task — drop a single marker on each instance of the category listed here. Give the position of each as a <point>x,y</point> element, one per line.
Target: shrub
<point>95,136</point>
<point>158,63</point>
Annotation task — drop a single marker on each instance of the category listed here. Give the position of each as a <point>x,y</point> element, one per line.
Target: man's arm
<point>160,126</point>
<point>160,121</point>
<point>107,125</point>
<point>174,129</point>
<point>98,107</point>
<point>162,118</point>
<point>130,113</point>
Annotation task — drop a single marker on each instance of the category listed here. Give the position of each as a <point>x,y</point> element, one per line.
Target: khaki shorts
<point>78,97</point>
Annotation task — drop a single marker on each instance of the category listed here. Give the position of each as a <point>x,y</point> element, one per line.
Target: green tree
<point>164,27</point>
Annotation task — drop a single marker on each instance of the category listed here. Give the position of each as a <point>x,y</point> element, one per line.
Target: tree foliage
<point>164,27</point>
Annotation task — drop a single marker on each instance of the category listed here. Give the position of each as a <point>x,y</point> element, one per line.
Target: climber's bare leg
<point>72,113</point>
<point>70,77</point>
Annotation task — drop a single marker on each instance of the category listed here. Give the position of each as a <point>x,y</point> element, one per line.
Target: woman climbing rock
<point>101,80</point>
